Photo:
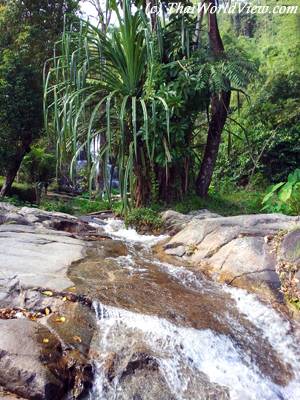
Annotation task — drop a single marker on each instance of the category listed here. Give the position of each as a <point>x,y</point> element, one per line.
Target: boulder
<point>24,360</point>
<point>236,249</point>
<point>46,357</point>
<point>38,257</point>
<point>140,375</point>
<point>174,221</point>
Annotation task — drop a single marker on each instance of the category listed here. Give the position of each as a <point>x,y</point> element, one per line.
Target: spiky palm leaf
<point>96,84</point>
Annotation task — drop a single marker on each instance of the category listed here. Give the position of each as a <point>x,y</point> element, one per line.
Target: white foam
<point>178,348</point>
<point>116,228</point>
<point>274,327</point>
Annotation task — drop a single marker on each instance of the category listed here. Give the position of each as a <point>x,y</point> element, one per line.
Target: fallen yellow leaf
<point>45,340</point>
<point>47,311</point>
<point>60,319</point>
<point>47,293</point>
<point>64,298</point>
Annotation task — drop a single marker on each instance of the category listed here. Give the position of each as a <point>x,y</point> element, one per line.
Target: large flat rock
<point>235,249</point>
<point>39,257</point>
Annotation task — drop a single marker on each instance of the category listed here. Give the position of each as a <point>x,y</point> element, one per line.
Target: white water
<point>116,228</point>
<point>196,350</point>
<point>183,353</point>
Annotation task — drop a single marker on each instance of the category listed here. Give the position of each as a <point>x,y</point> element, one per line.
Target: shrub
<point>284,196</point>
<point>144,219</point>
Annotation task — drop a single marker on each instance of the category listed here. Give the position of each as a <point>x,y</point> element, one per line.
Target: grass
<point>226,204</point>
<point>76,206</point>
<point>20,193</point>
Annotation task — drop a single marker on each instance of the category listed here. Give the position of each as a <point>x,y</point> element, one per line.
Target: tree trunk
<point>219,109</point>
<point>10,177</point>
<point>12,171</point>
<point>143,179</point>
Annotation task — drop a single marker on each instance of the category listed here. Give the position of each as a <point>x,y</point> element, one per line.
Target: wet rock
<point>24,359</point>
<point>78,327</point>
<point>141,375</point>
<point>236,249</point>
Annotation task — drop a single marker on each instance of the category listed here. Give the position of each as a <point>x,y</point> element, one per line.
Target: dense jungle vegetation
<point>189,111</point>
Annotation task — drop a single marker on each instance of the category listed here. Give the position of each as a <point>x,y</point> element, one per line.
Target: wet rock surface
<point>104,316</point>
<point>236,250</point>
<point>45,328</point>
<point>25,360</point>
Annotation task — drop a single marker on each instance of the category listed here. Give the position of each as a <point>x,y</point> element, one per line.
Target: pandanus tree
<point>97,87</point>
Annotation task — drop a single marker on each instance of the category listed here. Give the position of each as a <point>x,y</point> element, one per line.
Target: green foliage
<point>227,203</point>
<point>20,194</point>
<point>141,92</point>
<point>263,134</point>
<point>38,165</point>
<point>144,219</point>
<point>28,30</point>
<point>57,206</point>
<point>284,196</point>
<point>76,206</point>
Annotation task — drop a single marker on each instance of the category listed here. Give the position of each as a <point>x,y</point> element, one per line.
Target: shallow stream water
<point>168,333</point>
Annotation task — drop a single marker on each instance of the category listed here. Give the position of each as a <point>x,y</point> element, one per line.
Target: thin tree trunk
<point>13,169</point>
<point>10,177</point>
<point>219,109</point>
<point>143,179</point>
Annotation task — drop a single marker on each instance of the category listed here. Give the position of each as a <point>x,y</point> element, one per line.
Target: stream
<point>168,333</point>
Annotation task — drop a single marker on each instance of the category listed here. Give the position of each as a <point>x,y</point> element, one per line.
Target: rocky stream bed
<point>91,310</point>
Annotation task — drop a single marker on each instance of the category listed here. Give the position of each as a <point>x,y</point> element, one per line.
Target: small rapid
<point>167,333</point>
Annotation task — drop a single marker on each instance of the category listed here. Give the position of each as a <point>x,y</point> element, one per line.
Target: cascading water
<point>166,333</point>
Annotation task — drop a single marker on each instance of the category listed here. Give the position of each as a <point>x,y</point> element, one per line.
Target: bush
<point>144,220</point>
<point>284,196</point>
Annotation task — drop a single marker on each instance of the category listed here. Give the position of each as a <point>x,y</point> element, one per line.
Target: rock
<point>139,376</point>
<point>24,359</point>
<point>6,207</point>
<point>37,249</point>
<point>175,221</point>
<point>15,218</point>
<point>236,249</point>
<point>4,395</point>
<point>38,258</point>
<point>246,258</point>
<point>177,251</point>
<point>9,286</point>
<point>43,215</point>
<point>78,328</point>
<point>290,247</point>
